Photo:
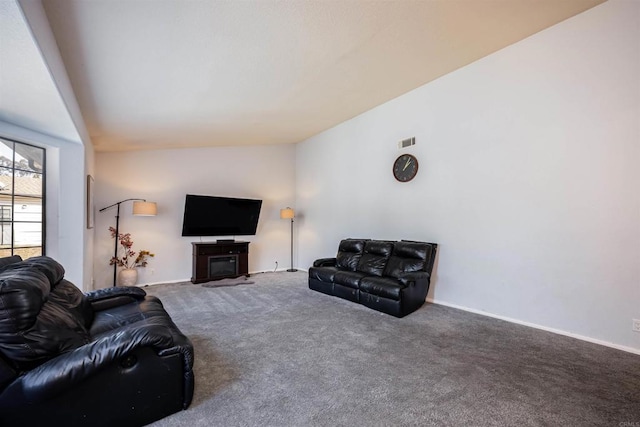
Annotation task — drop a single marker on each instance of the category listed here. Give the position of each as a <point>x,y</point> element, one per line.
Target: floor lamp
<point>289,213</point>
<point>140,208</point>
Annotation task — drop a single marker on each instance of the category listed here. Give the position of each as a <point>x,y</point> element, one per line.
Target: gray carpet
<point>278,354</point>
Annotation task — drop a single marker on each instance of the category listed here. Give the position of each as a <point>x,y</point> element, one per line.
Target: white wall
<point>528,178</point>
<point>165,177</point>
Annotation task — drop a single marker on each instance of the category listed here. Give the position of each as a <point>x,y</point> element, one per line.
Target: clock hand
<point>407,164</point>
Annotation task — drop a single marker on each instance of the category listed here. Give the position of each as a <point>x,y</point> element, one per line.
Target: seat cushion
<point>323,274</point>
<point>386,287</point>
<point>350,279</point>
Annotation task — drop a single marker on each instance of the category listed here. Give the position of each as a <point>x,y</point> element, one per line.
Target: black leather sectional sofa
<point>111,357</point>
<point>388,276</point>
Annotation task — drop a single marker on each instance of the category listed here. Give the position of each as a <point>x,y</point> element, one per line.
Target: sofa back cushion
<point>375,257</point>
<point>41,314</point>
<point>349,253</point>
<point>408,257</point>
<point>67,295</point>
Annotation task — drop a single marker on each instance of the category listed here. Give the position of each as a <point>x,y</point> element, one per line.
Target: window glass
<point>6,229</point>
<point>28,185</point>
<point>22,199</point>
<point>28,252</point>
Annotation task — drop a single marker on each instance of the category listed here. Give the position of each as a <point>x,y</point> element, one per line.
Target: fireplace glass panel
<point>222,266</point>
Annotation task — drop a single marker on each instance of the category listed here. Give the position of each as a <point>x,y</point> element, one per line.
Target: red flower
<point>129,258</point>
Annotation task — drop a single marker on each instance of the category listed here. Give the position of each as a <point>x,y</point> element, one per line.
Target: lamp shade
<point>145,209</point>
<point>287,213</point>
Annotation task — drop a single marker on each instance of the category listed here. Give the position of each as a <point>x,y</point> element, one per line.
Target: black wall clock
<point>405,168</point>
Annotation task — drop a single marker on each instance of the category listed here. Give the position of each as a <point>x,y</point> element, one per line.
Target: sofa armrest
<point>325,262</point>
<point>103,299</point>
<point>68,370</point>
<point>415,277</point>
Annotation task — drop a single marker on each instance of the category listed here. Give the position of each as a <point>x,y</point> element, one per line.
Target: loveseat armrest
<point>325,262</point>
<point>103,299</point>
<point>68,370</point>
<point>415,277</point>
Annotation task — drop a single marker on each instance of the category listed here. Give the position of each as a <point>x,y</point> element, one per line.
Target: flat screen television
<point>220,216</point>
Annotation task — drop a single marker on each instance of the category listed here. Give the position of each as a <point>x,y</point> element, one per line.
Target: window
<point>22,198</point>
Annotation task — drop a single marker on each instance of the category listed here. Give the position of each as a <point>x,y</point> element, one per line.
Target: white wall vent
<point>407,142</point>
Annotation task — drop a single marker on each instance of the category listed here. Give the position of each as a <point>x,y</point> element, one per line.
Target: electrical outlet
<point>636,325</point>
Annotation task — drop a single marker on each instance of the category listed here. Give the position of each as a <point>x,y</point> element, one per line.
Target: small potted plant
<point>129,260</point>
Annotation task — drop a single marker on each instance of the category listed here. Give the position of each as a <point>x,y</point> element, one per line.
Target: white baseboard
<point>536,326</point>
<point>277,271</point>
<point>267,271</point>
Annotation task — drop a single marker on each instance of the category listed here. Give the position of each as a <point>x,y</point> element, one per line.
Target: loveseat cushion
<point>375,257</point>
<point>407,257</point>
<point>41,315</point>
<point>349,253</point>
<point>382,286</point>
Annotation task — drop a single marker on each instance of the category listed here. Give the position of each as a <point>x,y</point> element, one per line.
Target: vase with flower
<point>129,259</point>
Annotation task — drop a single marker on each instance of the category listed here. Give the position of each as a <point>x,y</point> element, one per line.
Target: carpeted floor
<point>275,353</point>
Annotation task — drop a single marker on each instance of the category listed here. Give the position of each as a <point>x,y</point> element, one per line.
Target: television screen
<point>220,216</point>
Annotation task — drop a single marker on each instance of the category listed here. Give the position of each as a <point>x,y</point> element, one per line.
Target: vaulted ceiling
<point>172,73</point>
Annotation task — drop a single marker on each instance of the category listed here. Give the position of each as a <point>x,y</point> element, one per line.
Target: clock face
<point>405,168</point>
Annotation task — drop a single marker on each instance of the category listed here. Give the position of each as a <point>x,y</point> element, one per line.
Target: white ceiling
<point>172,73</point>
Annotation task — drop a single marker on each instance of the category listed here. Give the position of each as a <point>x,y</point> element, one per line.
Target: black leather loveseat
<point>392,277</point>
<point>111,357</point>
